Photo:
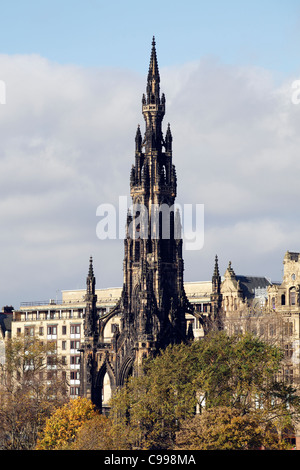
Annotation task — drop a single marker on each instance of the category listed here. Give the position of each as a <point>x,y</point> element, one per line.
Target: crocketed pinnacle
<point>216,270</point>
<point>91,271</point>
<point>153,67</point>
<point>153,77</point>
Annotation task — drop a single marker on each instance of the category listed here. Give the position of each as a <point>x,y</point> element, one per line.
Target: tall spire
<point>153,301</point>
<point>91,271</point>
<point>91,299</point>
<point>215,320</point>
<point>216,278</point>
<point>90,280</point>
<point>216,270</point>
<point>153,105</point>
<point>153,78</point>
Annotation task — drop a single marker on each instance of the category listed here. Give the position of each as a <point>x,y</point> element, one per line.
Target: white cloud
<point>67,145</point>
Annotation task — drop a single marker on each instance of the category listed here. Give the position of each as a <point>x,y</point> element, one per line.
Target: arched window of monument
<point>106,389</point>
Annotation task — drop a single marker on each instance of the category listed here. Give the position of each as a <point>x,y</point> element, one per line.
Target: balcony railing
<point>42,302</point>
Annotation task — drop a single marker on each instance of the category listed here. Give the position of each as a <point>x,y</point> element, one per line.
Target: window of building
<point>29,330</point>
<point>75,375</point>
<point>64,330</point>
<point>51,362</point>
<point>74,345</point>
<point>74,391</point>
<point>74,362</point>
<point>52,331</point>
<point>288,350</point>
<point>75,331</point>
<point>41,330</point>
<point>293,296</point>
<point>288,328</point>
<point>283,299</point>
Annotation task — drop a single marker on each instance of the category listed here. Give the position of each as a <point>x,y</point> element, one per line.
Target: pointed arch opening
<point>103,388</point>
<point>126,371</point>
<point>106,389</point>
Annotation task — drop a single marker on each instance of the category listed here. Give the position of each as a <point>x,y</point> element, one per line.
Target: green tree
<point>147,411</point>
<point>218,371</point>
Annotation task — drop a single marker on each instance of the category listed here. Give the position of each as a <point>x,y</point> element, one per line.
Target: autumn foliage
<point>62,427</point>
<point>29,391</point>
<point>217,393</point>
<point>224,428</point>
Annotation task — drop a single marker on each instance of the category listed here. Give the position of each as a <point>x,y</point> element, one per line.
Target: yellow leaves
<point>62,427</point>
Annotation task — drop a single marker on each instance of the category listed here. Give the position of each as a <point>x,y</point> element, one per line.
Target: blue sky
<point>117,33</point>
<point>75,72</point>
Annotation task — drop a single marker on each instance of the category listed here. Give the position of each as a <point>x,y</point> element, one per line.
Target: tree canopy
<point>236,372</point>
<point>32,386</point>
<point>221,392</point>
<point>62,426</point>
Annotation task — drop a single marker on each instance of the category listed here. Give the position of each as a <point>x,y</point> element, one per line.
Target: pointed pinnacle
<point>91,272</point>
<point>216,270</point>
<point>153,67</point>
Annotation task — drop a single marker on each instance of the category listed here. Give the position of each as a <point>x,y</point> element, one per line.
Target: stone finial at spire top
<point>230,271</point>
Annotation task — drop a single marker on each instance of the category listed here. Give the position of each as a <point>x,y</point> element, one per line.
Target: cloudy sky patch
<point>67,139</point>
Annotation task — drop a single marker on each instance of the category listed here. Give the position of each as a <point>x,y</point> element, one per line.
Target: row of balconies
<point>48,315</point>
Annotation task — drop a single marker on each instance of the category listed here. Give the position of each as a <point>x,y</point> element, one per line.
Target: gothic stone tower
<point>215,319</point>
<point>151,311</point>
